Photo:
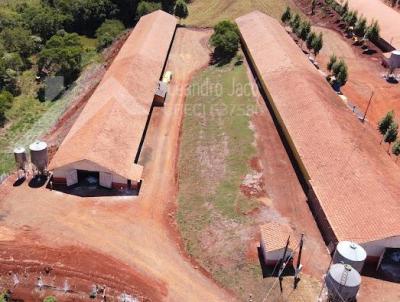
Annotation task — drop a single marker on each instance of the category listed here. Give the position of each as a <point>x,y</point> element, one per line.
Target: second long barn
<point>351,183</point>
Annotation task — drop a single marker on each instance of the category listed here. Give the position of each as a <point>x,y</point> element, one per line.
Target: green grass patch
<point>215,151</point>
<point>210,12</point>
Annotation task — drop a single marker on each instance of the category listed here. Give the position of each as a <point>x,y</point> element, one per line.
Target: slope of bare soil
<point>137,231</point>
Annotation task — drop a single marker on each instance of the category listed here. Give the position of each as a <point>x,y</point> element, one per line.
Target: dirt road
<point>136,231</point>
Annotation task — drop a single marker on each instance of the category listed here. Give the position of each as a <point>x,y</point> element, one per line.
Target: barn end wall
<point>60,175</point>
<point>375,249</point>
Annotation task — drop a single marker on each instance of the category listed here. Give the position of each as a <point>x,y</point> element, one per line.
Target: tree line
<point>302,29</point>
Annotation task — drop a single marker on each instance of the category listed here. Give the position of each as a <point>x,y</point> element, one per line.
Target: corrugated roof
<point>355,181</point>
<point>274,236</point>
<point>109,130</point>
<point>387,17</point>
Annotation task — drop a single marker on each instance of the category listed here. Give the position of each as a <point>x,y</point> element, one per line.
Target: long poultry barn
<point>351,183</point>
<point>107,136</point>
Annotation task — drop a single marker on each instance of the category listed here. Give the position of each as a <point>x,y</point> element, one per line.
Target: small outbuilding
<point>161,93</point>
<point>273,242</point>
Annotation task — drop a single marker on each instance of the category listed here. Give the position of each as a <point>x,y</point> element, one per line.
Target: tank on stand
<point>39,157</point>
<point>21,161</point>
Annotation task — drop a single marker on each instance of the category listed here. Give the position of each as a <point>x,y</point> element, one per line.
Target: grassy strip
<point>216,147</point>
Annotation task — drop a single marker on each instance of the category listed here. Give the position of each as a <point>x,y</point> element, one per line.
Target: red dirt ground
<point>135,231</point>
<point>285,194</point>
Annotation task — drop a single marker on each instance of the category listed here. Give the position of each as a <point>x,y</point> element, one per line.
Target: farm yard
<point>245,138</point>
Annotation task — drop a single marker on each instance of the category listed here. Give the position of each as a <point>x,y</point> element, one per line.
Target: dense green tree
<point>332,61</point>
<point>18,40</point>
<point>44,21</point>
<point>361,26</point>
<point>168,5</point>
<point>396,149</point>
<point>385,122</point>
<point>373,32</point>
<point>295,23</point>
<point>225,39</point>
<point>50,299</point>
<point>107,32</point>
<point>391,133</point>
<point>62,55</point>
<point>345,8</point>
<point>12,61</point>
<point>146,7</point>
<point>9,18</point>
<point>340,72</point>
<point>6,100</point>
<point>87,15</point>
<point>304,31</point>
<point>287,15</point>
<point>310,40</point>
<point>181,10</point>
<point>317,44</point>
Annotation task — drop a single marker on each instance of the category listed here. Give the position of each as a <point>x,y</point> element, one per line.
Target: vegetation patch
<point>216,148</point>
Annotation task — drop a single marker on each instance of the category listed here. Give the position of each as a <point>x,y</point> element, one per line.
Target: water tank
<point>342,282</point>
<point>39,155</point>
<point>348,252</point>
<point>394,61</point>
<point>20,157</point>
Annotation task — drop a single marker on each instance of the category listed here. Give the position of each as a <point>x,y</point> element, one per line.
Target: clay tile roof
<point>109,130</point>
<point>355,181</point>
<point>274,236</point>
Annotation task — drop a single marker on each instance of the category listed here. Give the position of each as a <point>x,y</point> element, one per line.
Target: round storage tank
<point>39,156</point>
<point>395,59</point>
<point>20,157</point>
<point>348,252</point>
<point>342,282</point>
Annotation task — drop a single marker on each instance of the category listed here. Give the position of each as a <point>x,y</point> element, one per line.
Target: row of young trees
<point>358,24</point>
<point>302,28</point>
<point>388,128</point>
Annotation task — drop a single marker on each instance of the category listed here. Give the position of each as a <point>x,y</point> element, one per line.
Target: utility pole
<point>299,267</point>
<point>369,103</point>
<point>283,264</point>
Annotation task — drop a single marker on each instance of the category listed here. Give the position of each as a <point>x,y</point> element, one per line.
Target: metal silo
<point>394,61</point>
<point>39,156</point>
<point>20,158</point>
<point>343,283</point>
<point>348,252</point>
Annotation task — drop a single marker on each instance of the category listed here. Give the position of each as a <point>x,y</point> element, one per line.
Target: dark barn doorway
<point>88,178</point>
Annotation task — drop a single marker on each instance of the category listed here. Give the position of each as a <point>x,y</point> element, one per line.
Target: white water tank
<point>342,282</point>
<point>39,155</point>
<point>348,252</point>
<point>394,61</point>
<point>20,157</point>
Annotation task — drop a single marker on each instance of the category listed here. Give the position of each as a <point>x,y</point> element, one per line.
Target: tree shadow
<point>220,59</point>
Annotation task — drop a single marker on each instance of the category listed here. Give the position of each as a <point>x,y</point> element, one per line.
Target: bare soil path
<point>136,231</point>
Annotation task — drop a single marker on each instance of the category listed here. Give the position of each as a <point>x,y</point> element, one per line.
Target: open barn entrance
<point>88,178</point>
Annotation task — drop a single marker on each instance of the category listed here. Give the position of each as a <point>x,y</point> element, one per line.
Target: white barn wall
<point>87,166</point>
<point>376,248</point>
